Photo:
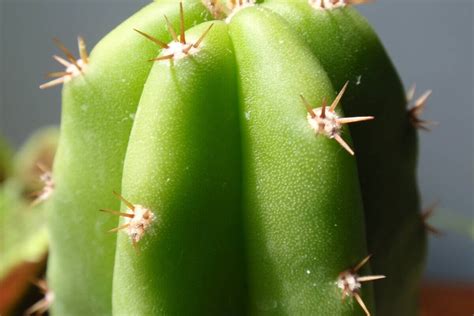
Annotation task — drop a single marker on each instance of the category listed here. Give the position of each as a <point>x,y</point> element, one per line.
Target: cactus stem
<point>350,283</point>
<point>74,67</point>
<point>328,123</point>
<point>137,223</point>
<point>40,307</point>
<point>416,110</point>
<point>48,186</point>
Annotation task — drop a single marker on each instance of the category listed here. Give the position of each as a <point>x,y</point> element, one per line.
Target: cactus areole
<point>260,154</point>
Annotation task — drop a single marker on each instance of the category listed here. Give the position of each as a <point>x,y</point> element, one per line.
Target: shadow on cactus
<point>223,125</point>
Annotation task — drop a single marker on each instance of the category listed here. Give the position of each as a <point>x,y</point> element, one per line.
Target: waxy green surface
<point>302,207</point>
<point>183,162</point>
<point>255,213</point>
<point>386,149</point>
<point>97,115</point>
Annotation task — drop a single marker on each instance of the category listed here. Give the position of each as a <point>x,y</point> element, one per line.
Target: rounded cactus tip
<point>179,47</point>
<point>137,222</point>
<point>74,66</point>
<point>350,283</point>
<point>327,122</point>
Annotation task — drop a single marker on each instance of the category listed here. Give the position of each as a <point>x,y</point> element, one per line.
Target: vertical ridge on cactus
<point>241,209</point>
<point>98,110</point>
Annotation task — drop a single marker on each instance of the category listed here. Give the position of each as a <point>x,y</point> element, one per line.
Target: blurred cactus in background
<point>23,241</point>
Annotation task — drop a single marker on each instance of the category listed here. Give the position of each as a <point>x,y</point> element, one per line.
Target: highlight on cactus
<point>226,126</point>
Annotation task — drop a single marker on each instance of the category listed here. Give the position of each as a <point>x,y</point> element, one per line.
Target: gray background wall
<point>430,41</point>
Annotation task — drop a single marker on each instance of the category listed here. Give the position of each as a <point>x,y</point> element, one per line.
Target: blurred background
<point>430,42</point>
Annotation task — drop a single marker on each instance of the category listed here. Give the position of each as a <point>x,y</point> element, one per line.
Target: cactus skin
<point>301,202</point>
<point>194,250</point>
<point>296,248</point>
<point>386,148</point>
<point>23,222</point>
<point>98,109</point>
<point>37,153</point>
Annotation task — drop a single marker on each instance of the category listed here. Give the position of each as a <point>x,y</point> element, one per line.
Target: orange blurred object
<point>447,299</point>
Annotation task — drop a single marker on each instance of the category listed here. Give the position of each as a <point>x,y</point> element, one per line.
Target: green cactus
<point>218,126</point>
<point>34,161</point>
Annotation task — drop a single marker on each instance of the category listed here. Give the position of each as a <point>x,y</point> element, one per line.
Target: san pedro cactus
<point>218,133</point>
